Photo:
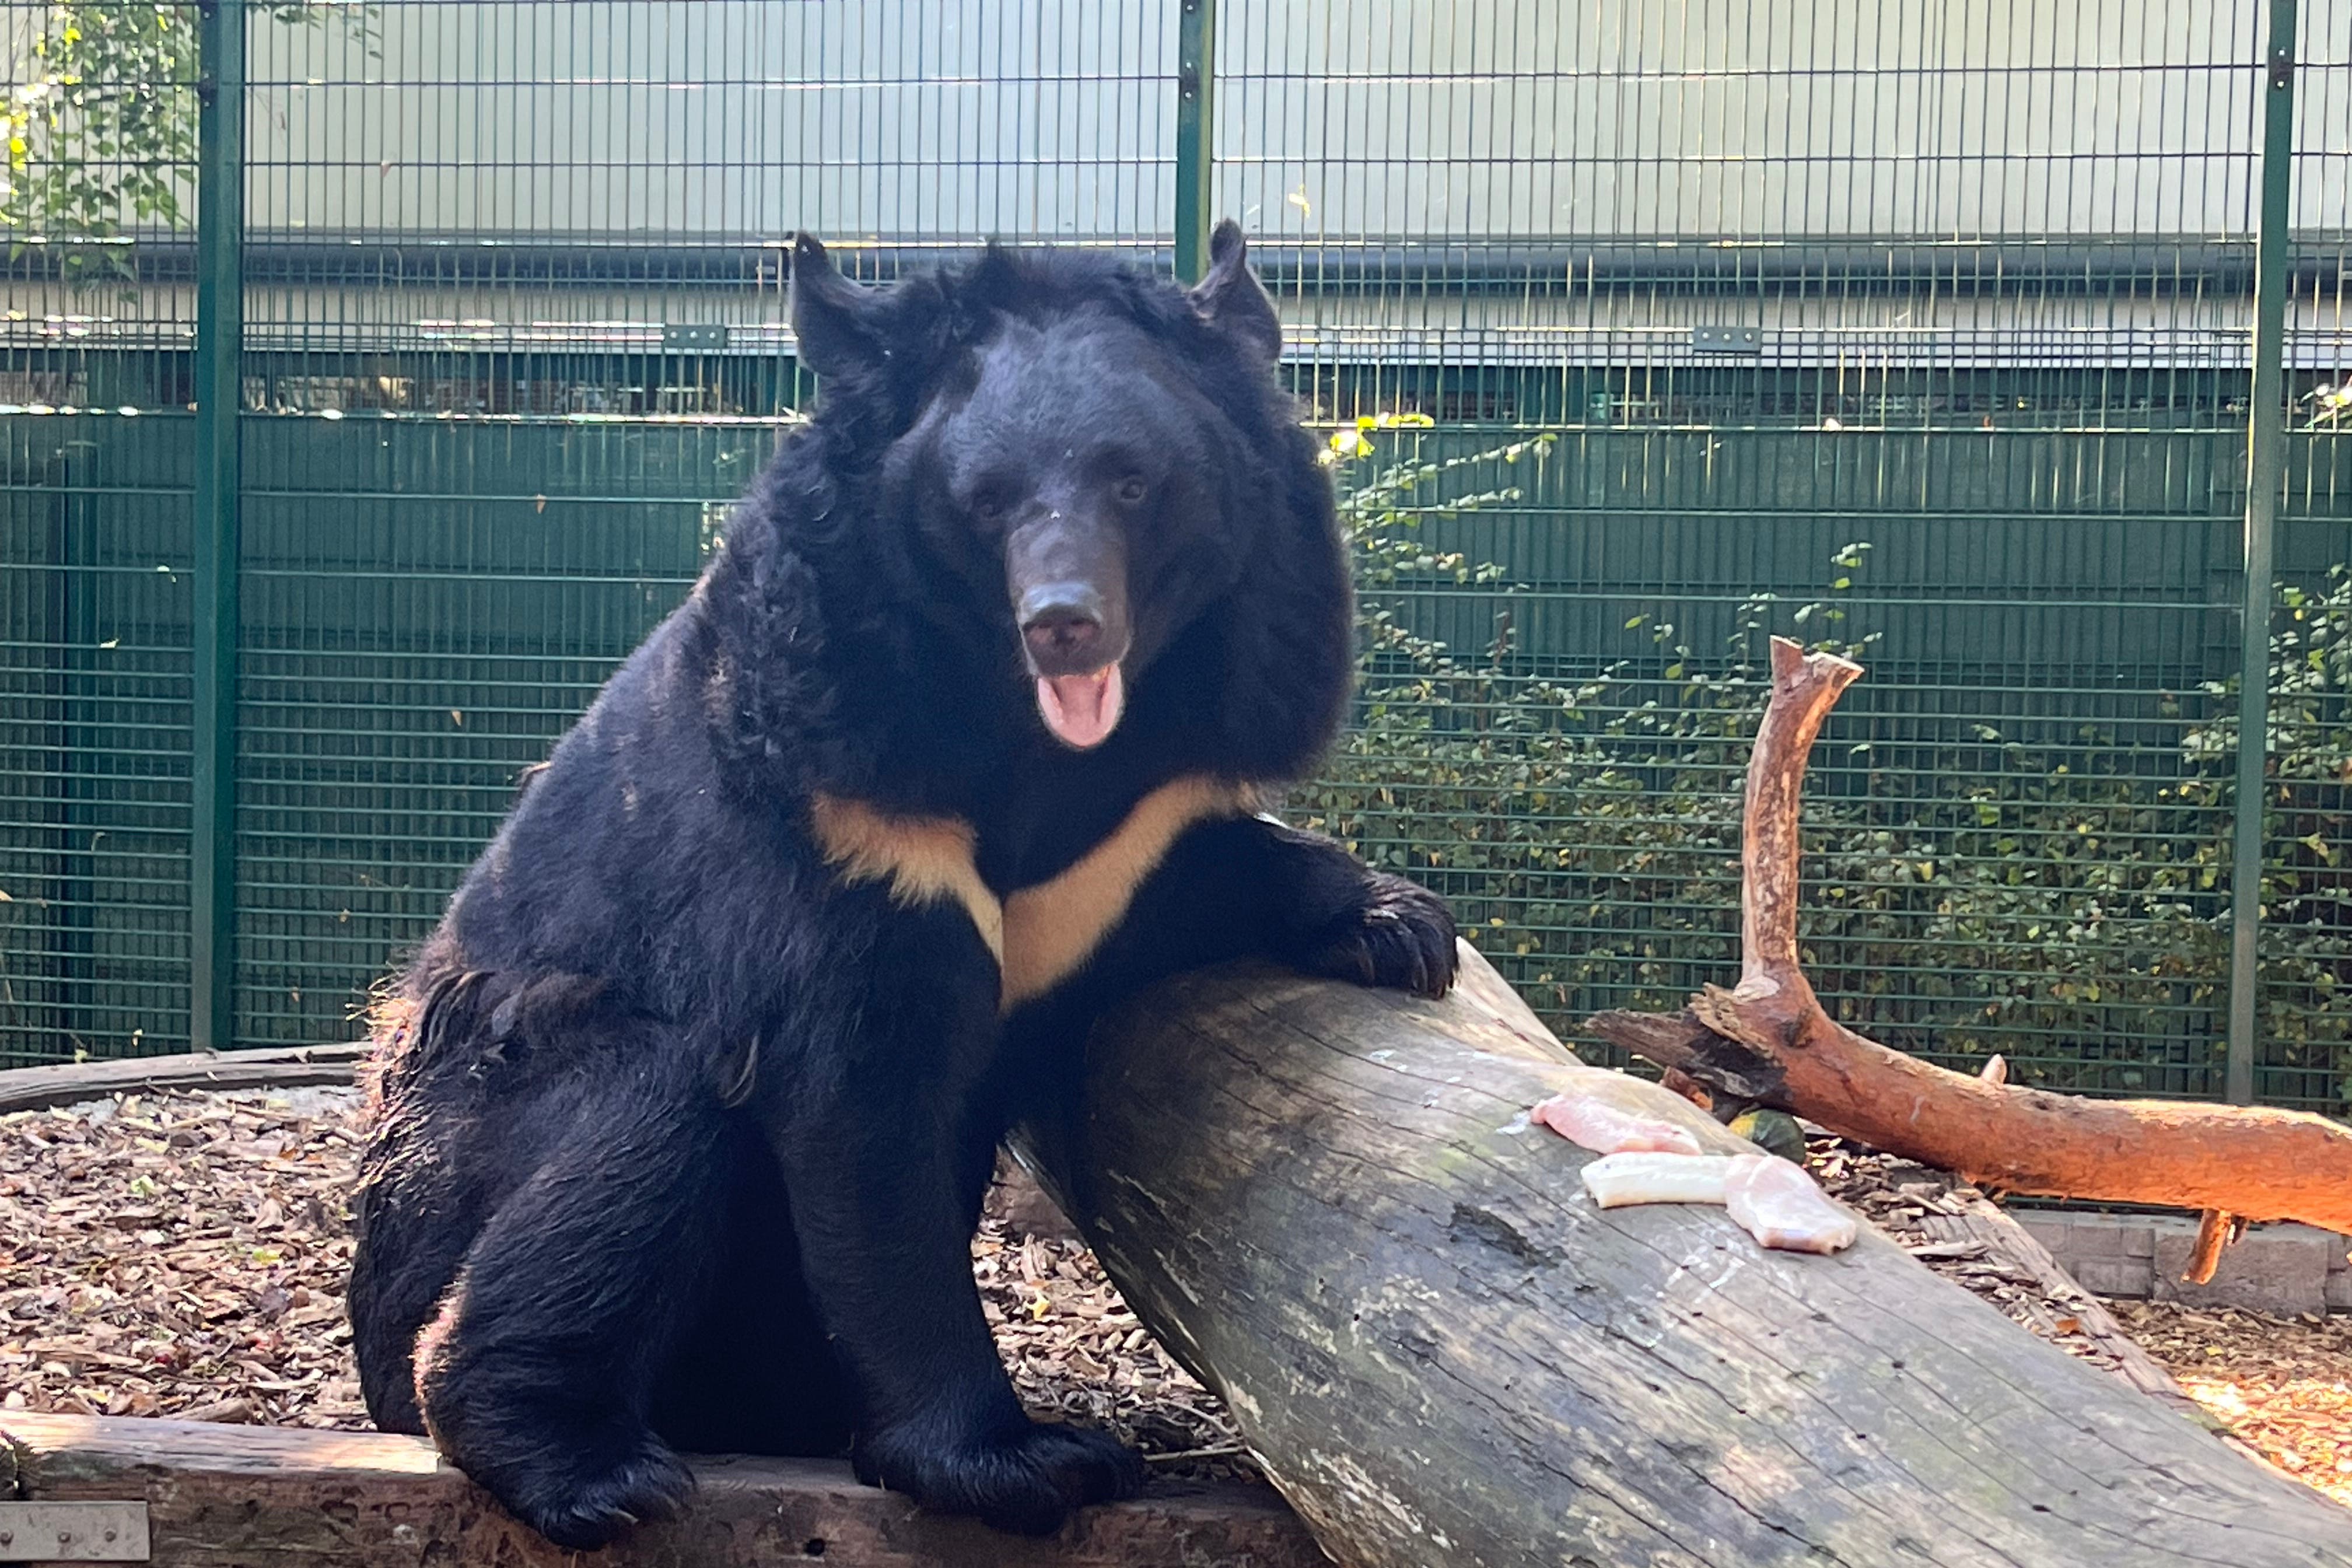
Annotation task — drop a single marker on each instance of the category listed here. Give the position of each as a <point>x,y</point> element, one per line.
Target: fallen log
<point>1768,1041</point>
<point>1332,1204</point>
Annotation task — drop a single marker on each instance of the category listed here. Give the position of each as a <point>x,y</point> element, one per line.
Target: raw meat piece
<point>1616,1180</point>
<point>1778,1203</point>
<point>1605,1128</point>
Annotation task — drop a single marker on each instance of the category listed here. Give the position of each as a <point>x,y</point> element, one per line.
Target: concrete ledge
<point>2283,1270</point>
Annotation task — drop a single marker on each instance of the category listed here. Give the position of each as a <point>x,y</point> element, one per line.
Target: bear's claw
<point>583,1513</point>
<point>1399,939</point>
<point>1028,1484</point>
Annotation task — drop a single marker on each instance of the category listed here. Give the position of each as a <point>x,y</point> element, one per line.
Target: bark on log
<point>1770,1041</point>
<point>1332,1204</point>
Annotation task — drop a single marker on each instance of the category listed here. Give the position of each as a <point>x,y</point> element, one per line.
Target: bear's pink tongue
<point>1082,709</point>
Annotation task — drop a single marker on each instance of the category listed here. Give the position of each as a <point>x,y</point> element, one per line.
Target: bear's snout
<point>1068,580</point>
<point>1062,624</point>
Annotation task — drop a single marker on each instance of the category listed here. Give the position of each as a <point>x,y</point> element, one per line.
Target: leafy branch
<point>100,115</point>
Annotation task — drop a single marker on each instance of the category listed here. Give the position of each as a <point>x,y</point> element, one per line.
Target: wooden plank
<point>1330,1202</point>
<point>290,1067</point>
<point>249,1497</point>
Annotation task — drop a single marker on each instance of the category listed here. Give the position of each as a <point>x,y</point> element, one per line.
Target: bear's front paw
<point>581,1503</point>
<point>1027,1481</point>
<point>1399,938</point>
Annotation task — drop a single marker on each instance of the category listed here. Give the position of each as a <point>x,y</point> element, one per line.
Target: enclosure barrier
<point>373,376</point>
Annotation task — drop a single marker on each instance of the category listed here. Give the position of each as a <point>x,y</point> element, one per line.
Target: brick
<point>2050,1230</point>
<point>2281,1269</point>
<point>2092,1235</point>
<point>2128,1277</point>
<point>2118,1248</point>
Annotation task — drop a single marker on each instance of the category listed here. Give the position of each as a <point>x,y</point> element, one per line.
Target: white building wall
<point>1335,119</point>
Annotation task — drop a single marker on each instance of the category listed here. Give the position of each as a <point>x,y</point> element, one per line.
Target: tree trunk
<point>286,1066</point>
<point>1332,1204</point>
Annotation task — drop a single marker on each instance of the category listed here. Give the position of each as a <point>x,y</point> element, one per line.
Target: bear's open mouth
<point>1082,709</point>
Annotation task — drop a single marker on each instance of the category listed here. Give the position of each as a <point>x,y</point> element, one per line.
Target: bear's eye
<point>1132,489</point>
<point>989,505</point>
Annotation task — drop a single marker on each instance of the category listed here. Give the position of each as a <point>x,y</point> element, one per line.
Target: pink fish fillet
<point>1779,1204</point>
<point>1605,1128</point>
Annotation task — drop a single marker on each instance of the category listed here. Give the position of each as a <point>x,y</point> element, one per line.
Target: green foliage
<point>2065,904</point>
<point>100,119</point>
<point>2306,825</point>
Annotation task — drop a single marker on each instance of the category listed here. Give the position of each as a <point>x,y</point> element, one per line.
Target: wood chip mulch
<point>182,1255</point>
<point>185,1255</point>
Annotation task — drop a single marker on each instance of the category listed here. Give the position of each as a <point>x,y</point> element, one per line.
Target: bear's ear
<point>1230,298</point>
<point>834,320</point>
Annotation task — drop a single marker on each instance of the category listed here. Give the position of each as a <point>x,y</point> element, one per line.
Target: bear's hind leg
<point>537,1374</point>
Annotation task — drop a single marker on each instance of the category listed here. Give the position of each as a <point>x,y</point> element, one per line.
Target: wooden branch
<point>288,1067</point>
<point>2215,1230</point>
<point>1804,689</point>
<point>255,1497</point>
<point>1770,1039</point>
<point>1330,1203</point>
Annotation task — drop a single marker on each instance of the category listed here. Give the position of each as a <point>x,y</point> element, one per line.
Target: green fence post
<point>2266,467</point>
<point>1196,76</point>
<point>220,342</point>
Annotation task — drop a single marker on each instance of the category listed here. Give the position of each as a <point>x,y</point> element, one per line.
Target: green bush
<point>2064,905</point>
<point>2307,892</point>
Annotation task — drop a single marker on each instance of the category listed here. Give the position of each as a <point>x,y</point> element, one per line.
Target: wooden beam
<point>1770,1040</point>
<point>250,1497</point>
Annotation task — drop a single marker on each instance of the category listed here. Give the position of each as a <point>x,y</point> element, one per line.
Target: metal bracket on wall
<point>702,336</point>
<point>1727,340</point>
<point>73,1532</point>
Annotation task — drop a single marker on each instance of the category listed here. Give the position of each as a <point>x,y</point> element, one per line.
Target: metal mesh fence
<point>2305,1012</point>
<point>95,475</point>
<point>1642,331</point>
<point>1929,334</point>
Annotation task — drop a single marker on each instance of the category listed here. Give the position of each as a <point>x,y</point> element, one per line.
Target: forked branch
<point>1768,1040</point>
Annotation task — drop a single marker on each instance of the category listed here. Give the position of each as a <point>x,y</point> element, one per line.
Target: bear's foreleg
<point>1328,913</point>
<point>1251,887</point>
<point>873,1132</point>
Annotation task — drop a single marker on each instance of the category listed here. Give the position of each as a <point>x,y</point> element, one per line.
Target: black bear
<point>681,1121</point>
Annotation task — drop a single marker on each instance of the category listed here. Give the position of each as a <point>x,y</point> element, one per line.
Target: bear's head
<point>1087,482</point>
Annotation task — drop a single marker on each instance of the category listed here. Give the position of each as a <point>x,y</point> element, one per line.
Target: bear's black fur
<point>681,1119</point>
